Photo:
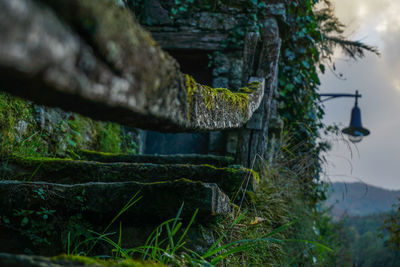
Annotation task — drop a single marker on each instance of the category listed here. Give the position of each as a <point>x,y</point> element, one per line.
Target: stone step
<point>229,179</point>
<point>21,260</point>
<point>194,159</point>
<point>99,203</point>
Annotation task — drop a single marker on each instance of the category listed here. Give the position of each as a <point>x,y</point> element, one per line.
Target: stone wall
<point>33,130</point>
<point>210,45</point>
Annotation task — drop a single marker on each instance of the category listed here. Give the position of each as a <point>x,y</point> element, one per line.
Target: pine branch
<point>353,49</point>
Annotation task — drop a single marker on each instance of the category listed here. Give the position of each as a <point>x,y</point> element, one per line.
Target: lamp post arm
<point>332,96</point>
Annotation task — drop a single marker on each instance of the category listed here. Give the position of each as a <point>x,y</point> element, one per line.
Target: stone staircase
<point>99,185</point>
<point>98,61</point>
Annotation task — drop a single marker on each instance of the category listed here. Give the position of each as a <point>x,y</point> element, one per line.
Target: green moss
<point>251,197</point>
<point>100,153</point>
<point>237,168</point>
<point>109,138</point>
<point>211,166</point>
<point>213,95</point>
<point>14,113</point>
<point>191,87</point>
<point>34,160</point>
<point>251,88</point>
<point>94,261</point>
<point>77,126</point>
<point>21,133</point>
<point>255,175</point>
<point>76,258</point>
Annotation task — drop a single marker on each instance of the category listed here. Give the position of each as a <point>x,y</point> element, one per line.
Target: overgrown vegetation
<point>30,130</point>
<point>392,225</point>
<point>361,241</point>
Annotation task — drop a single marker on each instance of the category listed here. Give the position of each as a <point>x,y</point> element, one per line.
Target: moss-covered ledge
<point>95,59</point>
<point>230,179</point>
<point>18,260</point>
<point>195,159</point>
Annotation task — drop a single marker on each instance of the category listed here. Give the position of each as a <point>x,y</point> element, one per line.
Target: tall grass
<point>167,242</point>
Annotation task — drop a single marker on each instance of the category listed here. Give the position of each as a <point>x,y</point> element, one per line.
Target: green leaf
<point>289,87</point>
<point>24,221</point>
<point>290,54</point>
<point>305,64</point>
<point>322,68</point>
<point>297,79</point>
<point>262,5</point>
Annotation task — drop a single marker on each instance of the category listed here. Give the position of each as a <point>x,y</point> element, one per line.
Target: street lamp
<point>355,131</point>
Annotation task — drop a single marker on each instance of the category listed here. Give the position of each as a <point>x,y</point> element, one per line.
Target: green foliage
<point>108,138</point>
<point>37,225</point>
<point>74,233</point>
<point>167,245</point>
<point>22,134</point>
<point>257,240</point>
<point>161,248</point>
<point>361,242</point>
<point>181,6</point>
<point>18,133</point>
<point>298,77</point>
<point>392,225</point>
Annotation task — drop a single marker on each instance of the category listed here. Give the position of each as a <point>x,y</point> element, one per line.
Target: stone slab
<point>65,171</point>
<point>195,159</point>
<point>99,203</point>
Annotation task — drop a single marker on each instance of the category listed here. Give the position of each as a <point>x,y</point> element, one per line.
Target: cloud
<point>378,79</point>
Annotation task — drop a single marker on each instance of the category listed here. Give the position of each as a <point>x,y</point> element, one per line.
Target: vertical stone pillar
<point>253,139</point>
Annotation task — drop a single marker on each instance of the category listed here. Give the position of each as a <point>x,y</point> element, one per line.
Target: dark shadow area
<point>182,143</point>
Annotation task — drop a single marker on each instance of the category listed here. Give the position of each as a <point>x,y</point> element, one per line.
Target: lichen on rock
<point>214,98</point>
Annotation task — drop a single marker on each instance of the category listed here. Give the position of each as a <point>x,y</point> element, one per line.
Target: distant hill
<point>358,199</point>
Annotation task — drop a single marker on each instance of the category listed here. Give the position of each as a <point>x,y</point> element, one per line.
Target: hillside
<point>359,199</point>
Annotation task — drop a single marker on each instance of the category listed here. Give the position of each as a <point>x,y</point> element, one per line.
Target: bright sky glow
<point>362,11</point>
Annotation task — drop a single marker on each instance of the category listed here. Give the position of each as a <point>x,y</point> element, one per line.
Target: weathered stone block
<point>20,260</point>
<point>99,203</point>
<point>221,82</point>
<point>155,14</point>
<point>230,179</point>
<point>194,159</point>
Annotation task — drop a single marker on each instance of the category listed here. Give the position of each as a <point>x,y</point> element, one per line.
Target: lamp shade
<point>355,131</point>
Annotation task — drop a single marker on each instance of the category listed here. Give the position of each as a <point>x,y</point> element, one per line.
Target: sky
<point>375,160</point>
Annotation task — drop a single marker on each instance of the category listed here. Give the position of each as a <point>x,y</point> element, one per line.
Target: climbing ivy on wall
<point>298,83</point>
